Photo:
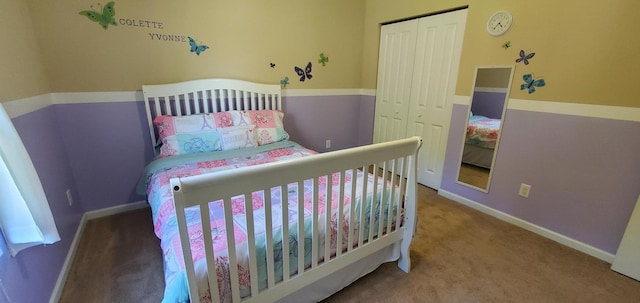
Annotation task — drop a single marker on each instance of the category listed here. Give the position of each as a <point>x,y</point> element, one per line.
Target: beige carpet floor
<point>458,255</point>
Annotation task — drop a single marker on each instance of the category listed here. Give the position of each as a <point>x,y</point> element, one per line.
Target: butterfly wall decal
<point>531,84</point>
<point>306,73</point>
<point>284,82</point>
<point>272,65</point>
<point>323,59</point>
<point>195,48</point>
<point>105,18</point>
<point>506,45</point>
<point>524,58</point>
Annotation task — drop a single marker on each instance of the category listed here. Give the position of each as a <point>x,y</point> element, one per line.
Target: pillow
<point>199,133</point>
<point>187,134</point>
<point>236,137</point>
<point>230,118</point>
<point>269,126</point>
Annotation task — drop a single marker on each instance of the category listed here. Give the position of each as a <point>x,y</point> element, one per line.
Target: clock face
<point>499,23</point>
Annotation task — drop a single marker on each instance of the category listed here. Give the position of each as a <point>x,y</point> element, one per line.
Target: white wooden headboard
<point>207,96</point>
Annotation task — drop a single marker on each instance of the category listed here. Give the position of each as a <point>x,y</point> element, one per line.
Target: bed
<point>480,141</point>
<point>225,164</point>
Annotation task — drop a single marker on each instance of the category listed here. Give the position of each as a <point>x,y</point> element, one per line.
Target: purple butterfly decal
<point>304,73</point>
<point>524,57</point>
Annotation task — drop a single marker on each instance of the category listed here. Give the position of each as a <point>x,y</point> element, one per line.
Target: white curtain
<point>25,216</point>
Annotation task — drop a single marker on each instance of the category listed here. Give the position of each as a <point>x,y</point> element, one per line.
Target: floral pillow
<point>269,126</point>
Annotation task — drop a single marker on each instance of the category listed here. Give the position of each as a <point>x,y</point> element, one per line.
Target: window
<point>25,216</point>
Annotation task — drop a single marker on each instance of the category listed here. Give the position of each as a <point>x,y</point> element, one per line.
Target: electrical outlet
<point>69,197</point>
<point>327,144</point>
<point>524,190</point>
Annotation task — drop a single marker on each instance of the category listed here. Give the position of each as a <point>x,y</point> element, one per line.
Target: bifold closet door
<point>435,73</point>
<point>395,71</point>
<point>417,74</point>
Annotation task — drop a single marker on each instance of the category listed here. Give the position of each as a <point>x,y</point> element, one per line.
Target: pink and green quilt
<point>160,198</point>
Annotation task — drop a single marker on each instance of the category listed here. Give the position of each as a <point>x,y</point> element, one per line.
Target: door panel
<point>431,164</point>
<point>395,70</point>
<point>439,44</point>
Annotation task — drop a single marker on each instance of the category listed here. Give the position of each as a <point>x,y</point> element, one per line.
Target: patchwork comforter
<point>160,198</point>
<point>482,131</point>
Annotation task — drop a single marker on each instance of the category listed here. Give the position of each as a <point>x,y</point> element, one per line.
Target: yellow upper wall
<point>586,52</point>
<point>244,38</point>
<point>22,72</point>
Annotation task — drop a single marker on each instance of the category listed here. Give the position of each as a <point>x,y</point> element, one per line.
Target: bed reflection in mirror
<point>490,93</point>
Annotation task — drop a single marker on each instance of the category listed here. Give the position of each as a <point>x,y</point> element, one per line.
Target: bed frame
<point>395,161</point>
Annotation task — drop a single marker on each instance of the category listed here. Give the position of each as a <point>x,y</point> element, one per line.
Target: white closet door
<point>395,71</point>
<point>627,260</point>
<point>439,44</point>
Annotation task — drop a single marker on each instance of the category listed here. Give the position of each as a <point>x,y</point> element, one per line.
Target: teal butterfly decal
<point>284,82</point>
<point>506,45</point>
<point>323,59</point>
<point>531,84</point>
<point>105,18</point>
<point>195,48</point>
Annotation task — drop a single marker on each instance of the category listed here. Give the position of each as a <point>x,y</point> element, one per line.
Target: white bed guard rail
<point>394,161</point>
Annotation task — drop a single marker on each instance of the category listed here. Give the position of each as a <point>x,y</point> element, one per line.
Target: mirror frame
<point>504,111</point>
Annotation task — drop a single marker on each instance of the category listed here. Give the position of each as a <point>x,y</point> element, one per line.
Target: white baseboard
<point>64,272</point>
<point>575,244</point>
<point>66,266</point>
<point>115,209</point>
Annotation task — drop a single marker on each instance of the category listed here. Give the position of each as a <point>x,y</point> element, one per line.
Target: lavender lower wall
<point>367,114</point>
<point>584,173</point>
<point>108,146</point>
<point>32,274</point>
<point>345,120</point>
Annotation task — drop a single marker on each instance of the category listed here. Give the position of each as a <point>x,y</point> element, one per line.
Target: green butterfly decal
<point>106,18</point>
<point>323,59</point>
<point>506,45</point>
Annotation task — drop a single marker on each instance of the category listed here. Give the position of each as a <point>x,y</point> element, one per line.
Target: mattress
<point>160,198</point>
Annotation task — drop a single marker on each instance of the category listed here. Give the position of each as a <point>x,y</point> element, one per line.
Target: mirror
<point>490,93</point>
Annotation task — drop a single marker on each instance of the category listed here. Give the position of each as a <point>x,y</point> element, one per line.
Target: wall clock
<point>499,23</point>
